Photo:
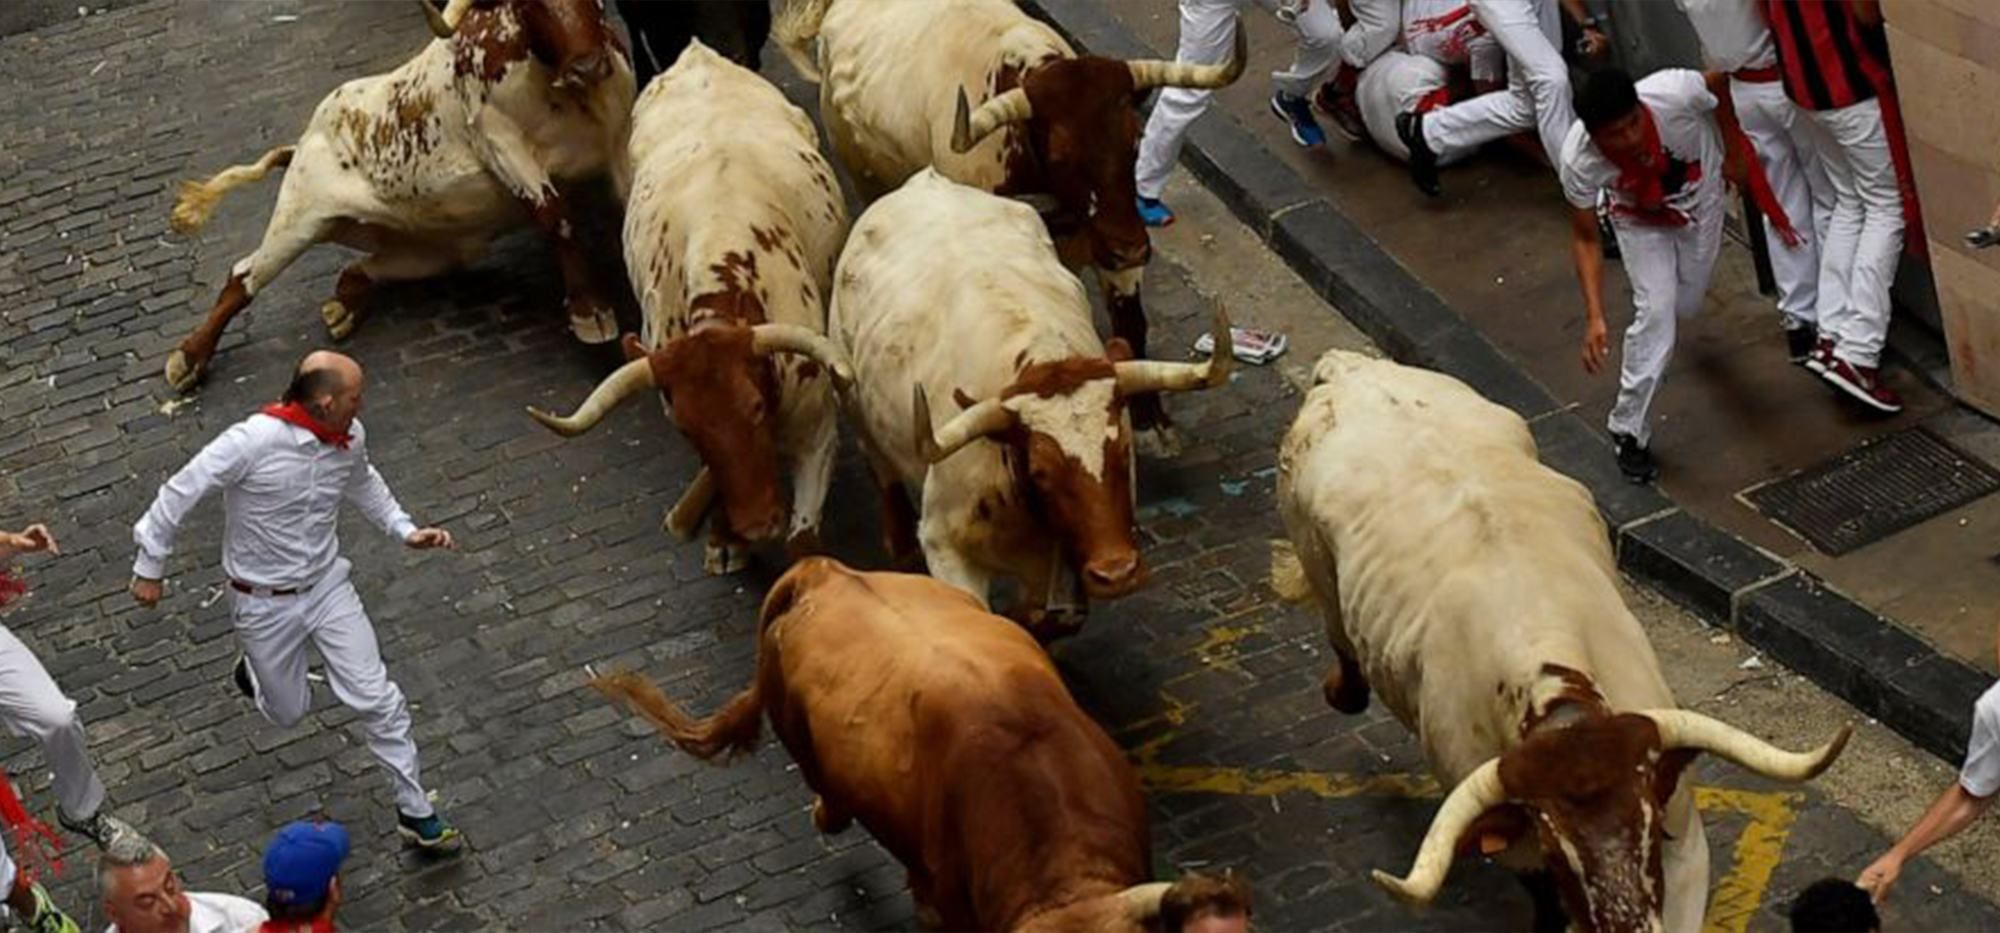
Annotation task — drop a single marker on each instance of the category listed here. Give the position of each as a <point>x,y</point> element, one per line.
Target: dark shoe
<point>431,833</point>
<point>1820,356</point>
<point>1423,162</point>
<point>246,683</point>
<point>1298,115</point>
<point>1864,384</point>
<point>97,827</point>
<point>1635,460</point>
<point>1336,100</point>
<point>1800,341</point>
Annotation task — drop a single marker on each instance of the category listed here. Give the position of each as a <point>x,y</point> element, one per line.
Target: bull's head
<point>1064,429</point>
<point>720,386</point>
<point>1081,132</point>
<point>1595,792</point>
<point>569,37</point>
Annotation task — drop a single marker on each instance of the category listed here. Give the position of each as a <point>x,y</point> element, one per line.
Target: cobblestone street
<point>575,816</point>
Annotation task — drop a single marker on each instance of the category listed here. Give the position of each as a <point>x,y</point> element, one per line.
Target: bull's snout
<point>587,70</point>
<point>1113,575</point>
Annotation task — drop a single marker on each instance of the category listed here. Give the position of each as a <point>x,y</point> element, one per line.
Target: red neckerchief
<point>315,925</point>
<point>10,586</point>
<point>294,413</point>
<point>1644,186</point>
<point>35,845</point>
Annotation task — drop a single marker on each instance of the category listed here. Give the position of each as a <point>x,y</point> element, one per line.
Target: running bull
<point>948,734</point>
<point>958,294</point>
<point>1043,122</point>
<point>420,167</point>
<point>731,232</point>
<point>1474,589</point>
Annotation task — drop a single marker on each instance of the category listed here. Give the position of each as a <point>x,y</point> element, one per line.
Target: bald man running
<point>284,472</point>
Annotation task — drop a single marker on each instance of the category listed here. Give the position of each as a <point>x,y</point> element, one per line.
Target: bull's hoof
<point>1160,442</point>
<point>828,820</point>
<point>1345,694</point>
<point>596,324</point>
<point>339,320</point>
<point>181,374</point>
<point>720,560</point>
<point>1049,625</point>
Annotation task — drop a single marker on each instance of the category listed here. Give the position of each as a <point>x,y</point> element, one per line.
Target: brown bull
<point>947,732</point>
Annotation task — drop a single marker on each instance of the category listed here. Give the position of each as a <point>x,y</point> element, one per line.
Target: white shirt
<point>1683,110</point>
<point>281,488</point>
<point>219,913</point>
<point>1981,774</point>
<point>1733,33</point>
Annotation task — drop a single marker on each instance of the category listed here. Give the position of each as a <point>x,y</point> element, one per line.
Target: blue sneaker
<point>1296,112</point>
<point>1154,213</point>
<point>430,833</point>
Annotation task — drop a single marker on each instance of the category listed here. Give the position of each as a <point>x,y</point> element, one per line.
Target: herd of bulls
<point>1467,585</point>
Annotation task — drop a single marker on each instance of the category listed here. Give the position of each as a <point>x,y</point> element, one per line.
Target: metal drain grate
<point>1874,491</point>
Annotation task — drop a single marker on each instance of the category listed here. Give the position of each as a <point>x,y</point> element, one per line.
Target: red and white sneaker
<point>1821,356</point>
<point>1865,384</point>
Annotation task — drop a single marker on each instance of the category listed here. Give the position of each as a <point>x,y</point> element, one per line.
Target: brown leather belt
<point>1757,75</point>
<point>241,587</point>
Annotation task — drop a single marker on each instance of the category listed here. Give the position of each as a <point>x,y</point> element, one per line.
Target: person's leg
<point>1837,247</point>
<point>32,705</point>
<point>1653,266</point>
<point>1879,247</point>
<point>1766,115</point>
<point>1208,30</point>
<point>1318,29</point>
<point>1529,34</point>
<point>1695,248</point>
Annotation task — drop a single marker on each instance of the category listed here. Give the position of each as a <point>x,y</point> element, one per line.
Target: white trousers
<point>275,630</point>
<point>1376,23</point>
<point>1864,238</point>
<point>1783,136</point>
<point>1669,269</point>
<point>1537,94</point>
<point>32,705</point>
<point>1208,29</point>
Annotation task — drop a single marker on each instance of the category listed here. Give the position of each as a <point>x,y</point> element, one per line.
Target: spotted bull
<point>958,294</point>
<point>731,232</point>
<point>421,166</point>
<point>1474,590</point>
<point>999,101</point>
<point>948,734</point>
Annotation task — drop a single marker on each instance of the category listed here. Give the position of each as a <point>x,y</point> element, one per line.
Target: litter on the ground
<point>1751,663</point>
<point>1718,639</point>
<point>1234,489</point>
<point>285,18</point>
<point>1255,347</point>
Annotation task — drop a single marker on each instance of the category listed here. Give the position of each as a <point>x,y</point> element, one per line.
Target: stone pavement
<point>575,816</point>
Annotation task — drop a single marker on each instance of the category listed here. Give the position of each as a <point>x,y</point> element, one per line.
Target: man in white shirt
<point>1208,33</point>
<point>1657,148</point>
<point>284,472</point>
<point>1735,39</point>
<point>1537,94</point>
<point>142,894</point>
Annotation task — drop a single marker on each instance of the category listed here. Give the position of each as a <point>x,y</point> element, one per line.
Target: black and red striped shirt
<point>1829,58</point>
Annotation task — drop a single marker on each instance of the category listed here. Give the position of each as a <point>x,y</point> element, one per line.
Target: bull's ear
<point>1495,831</point>
<point>1117,350</point>
<point>964,401</point>
<point>632,347</point>
<point>1667,774</point>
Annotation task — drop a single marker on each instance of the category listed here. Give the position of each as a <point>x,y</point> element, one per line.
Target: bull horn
<point>439,26</point>
<point>1681,728</point>
<point>1142,901</point>
<point>1138,377</point>
<point>983,418</point>
<point>1479,792</point>
<point>1152,72</point>
<point>969,126</point>
<point>631,377</point>
<point>806,342</point>
<point>687,513</point>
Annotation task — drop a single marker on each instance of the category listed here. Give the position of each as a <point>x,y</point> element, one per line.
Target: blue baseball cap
<point>301,862</point>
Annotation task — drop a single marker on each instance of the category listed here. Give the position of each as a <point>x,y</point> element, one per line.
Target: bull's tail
<point>198,198</point>
<point>1288,573</point>
<point>733,729</point>
<point>796,30</point>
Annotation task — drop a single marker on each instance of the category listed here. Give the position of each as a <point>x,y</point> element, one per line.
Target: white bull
<point>731,232</point>
<point>421,166</point>
<point>959,294</point>
<point>1475,590</point>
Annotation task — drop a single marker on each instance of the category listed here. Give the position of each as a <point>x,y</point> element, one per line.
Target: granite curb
<point>1880,667</point>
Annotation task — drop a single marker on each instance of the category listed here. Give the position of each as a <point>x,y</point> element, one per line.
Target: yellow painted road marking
<point>1736,896</point>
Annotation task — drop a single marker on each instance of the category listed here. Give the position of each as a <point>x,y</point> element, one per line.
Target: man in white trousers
<point>1735,39</point>
<point>1537,94</point>
<point>284,472</point>
<point>1658,148</point>
<point>1834,60</point>
<point>1372,28</point>
<point>1208,33</point>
